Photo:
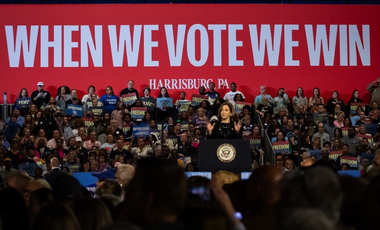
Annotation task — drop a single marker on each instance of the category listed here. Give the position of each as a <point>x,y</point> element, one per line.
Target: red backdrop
<point>218,42</point>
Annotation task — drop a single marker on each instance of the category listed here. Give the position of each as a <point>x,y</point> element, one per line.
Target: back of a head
<point>159,186</point>
<point>307,219</point>
<point>109,187</point>
<point>13,210</point>
<point>66,188</point>
<point>55,217</point>
<point>203,218</point>
<point>17,180</point>
<point>91,213</point>
<point>54,162</point>
<point>314,187</point>
<point>262,187</point>
<point>125,174</point>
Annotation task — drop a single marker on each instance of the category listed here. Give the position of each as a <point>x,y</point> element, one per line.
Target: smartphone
<point>202,192</point>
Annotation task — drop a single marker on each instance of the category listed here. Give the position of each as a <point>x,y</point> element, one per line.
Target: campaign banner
<point>281,147</point>
<point>185,125</point>
<point>148,103</point>
<point>141,130</point>
<point>74,110</point>
<point>352,161</point>
<point>316,152</point>
<point>208,175</point>
<point>87,180</point>
<point>192,46</point>
<point>344,132</point>
<point>43,106</point>
<point>370,157</point>
<point>184,106</point>
<point>126,128</point>
<point>354,107</point>
<point>97,111</point>
<point>128,99</point>
<point>254,142</point>
<point>335,154</point>
<point>156,132</point>
<point>368,136</point>
<point>245,175</point>
<point>88,122</point>
<point>320,117</point>
<point>352,173</point>
<point>22,103</point>
<point>28,168</point>
<point>138,112</point>
<point>239,106</point>
<point>197,99</point>
<point>174,139</point>
<point>164,102</point>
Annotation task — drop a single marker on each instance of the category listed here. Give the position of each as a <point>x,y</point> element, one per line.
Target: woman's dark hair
<point>67,90</point>
<point>230,106</point>
<point>337,94</point>
<point>238,94</point>
<point>104,114</point>
<point>91,213</point>
<point>146,88</point>
<point>20,94</point>
<point>166,94</point>
<point>302,94</point>
<point>112,93</point>
<point>56,217</point>
<point>340,132</point>
<point>81,168</point>
<point>109,187</point>
<point>278,91</point>
<point>319,92</point>
<point>347,165</point>
<point>353,94</point>
<point>89,87</point>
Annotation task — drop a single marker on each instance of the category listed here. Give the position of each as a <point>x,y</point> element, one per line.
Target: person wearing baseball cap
<point>40,96</point>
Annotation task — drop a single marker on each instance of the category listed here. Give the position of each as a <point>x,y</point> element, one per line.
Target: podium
<point>233,155</point>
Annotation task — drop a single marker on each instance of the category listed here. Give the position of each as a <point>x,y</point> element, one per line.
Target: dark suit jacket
<point>53,175</point>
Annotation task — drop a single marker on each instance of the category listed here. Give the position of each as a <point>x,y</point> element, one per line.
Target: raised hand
<point>237,126</point>
<point>210,127</point>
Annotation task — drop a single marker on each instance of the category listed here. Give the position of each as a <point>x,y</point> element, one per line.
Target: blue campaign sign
<point>164,102</point>
<point>87,180</point>
<point>74,110</point>
<point>28,168</point>
<point>316,152</point>
<point>368,156</point>
<point>141,130</point>
<point>371,129</point>
<point>245,175</point>
<point>353,173</point>
<point>208,175</point>
<point>22,103</point>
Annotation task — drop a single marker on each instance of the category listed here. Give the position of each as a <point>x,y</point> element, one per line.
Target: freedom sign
<point>191,46</point>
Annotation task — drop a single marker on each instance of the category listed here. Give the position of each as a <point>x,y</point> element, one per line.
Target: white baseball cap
<point>40,83</point>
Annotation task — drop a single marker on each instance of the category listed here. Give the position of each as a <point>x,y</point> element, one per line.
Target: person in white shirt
<point>230,95</point>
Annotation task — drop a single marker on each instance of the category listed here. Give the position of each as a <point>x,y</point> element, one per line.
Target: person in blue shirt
<point>109,100</point>
<point>19,119</point>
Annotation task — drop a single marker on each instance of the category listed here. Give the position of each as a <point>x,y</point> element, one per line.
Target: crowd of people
<point>42,144</point>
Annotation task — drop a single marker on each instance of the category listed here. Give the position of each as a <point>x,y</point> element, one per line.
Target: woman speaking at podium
<point>225,127</point>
